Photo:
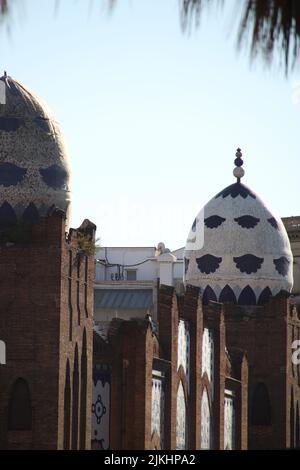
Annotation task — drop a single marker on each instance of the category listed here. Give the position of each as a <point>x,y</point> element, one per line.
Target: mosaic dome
<point>238,249</point>
<point>34,166</point>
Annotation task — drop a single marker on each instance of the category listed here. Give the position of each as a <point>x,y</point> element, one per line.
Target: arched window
<point>261,406</point>
<point>67,408</point>
<point>181,433</point>
<point>83,408</point>
<point>20,414</point>
<point>205,422</point>
<point>75,404</point>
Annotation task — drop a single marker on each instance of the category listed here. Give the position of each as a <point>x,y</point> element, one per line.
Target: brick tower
<point>239,254</point>
<point>46,272</point>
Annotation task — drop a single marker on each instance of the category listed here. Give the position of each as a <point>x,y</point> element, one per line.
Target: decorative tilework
<point>31,140</point>
<point>101,409</point>
<point>247,221</point>
<point>229,423</point>
<point>208,355</point>
<point>11,174</point>
<point>181,431</point>
<point>236,189</point>
<point>158,409</point>
<point>282,265</point>
<point>245,257</point>
<point>214,221</point>
<point>208,263</point>
<point>206,429</point>
<point>184,347</point>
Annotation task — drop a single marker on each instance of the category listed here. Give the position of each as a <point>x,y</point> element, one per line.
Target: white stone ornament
<point>238,172</point>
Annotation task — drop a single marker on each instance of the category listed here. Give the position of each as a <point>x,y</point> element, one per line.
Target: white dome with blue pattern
<point>34,165</point>
<point>238,249</point>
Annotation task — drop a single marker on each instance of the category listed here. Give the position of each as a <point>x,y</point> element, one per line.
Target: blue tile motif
<point>11,174</point>
<point>214,221</point>
<point>7,216</point>
<point>55,176</point>
<point>247,221</point>
<point>282,265</point>
<point>208,263</point>
<point>248,263</point>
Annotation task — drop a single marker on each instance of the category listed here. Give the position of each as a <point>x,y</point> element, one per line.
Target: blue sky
<point>152,116</point>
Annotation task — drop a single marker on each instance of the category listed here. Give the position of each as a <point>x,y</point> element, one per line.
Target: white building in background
<point>127,279</point>
<point>135,264</point>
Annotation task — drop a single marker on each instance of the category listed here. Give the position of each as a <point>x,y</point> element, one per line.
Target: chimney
<point>166,262</point>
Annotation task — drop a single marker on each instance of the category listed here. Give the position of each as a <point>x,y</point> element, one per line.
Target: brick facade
<point>134,350</point>
<point>46,311</point>
<point>266,333</point>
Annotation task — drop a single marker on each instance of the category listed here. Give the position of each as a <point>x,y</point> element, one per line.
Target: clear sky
<point>152,117</point>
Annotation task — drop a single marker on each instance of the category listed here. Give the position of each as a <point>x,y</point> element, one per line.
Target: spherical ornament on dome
<point>238,172</point>
<point>34,164</point>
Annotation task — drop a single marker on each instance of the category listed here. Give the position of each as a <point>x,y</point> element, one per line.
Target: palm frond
<point>273,25</point>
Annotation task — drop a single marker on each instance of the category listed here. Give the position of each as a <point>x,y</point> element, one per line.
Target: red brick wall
<point>265,333</point>
<point>34,323</point>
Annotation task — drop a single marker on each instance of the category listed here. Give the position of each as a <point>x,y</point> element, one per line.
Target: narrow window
<point>19,414</point>
<point>131,274</point>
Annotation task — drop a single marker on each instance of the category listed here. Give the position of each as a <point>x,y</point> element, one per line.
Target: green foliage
<point>87,244</point>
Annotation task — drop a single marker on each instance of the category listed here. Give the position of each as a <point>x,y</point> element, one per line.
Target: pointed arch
<point>83,392</point>
<point>265,296</point>
<point>247,296</point>
<point>20,411</point>
<point>31,214</point>
<point>208,295</point>
<point>227,295</point>
<point>67,408</point>
<point>261,413</point>
<point>75,400</point>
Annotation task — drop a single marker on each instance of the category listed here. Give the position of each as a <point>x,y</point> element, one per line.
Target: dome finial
<point>238,171</point>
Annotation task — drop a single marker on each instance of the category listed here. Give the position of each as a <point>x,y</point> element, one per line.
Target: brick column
<point>214,319</point>
<point>168,338</point>
<point>192,312</point>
